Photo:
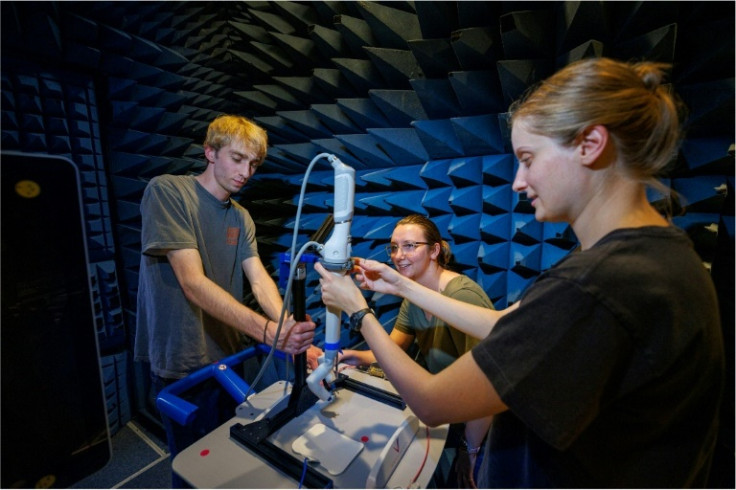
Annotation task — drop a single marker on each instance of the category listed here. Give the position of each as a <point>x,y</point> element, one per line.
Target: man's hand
<point>294,338</point>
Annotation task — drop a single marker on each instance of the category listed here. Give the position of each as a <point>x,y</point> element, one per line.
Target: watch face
<point>356,319</point>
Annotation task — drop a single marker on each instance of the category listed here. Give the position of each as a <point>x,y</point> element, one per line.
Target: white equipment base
<point>355,441</point>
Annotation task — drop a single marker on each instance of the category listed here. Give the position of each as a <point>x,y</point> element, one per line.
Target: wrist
<point>469,448</point>
<point>356,319</point>
<point>352,309</point>
<point>265,330</point>
<point>404,286</point>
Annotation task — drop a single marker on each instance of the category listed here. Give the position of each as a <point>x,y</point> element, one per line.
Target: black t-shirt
<point>612,369</point>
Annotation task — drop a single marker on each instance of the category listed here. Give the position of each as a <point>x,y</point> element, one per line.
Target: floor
<point>140,459</point>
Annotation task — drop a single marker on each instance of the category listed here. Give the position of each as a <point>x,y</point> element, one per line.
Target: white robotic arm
<point>336,257</point>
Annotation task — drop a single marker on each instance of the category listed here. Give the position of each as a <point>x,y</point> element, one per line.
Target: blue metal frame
<point>180,410</point>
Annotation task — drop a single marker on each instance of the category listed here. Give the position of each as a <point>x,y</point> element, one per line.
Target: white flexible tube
<point>327,361</point>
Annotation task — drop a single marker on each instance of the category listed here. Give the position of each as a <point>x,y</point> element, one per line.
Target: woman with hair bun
<point>610,370</point>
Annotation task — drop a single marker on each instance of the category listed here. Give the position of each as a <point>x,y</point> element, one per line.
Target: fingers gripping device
<point>336,258</point>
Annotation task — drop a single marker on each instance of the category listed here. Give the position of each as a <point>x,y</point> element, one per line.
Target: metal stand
<point>254,435</point>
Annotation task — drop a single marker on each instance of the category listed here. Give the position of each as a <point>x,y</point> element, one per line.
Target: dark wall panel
<point>412,94</point>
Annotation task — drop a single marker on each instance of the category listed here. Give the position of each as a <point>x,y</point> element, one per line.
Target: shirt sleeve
<point>554,360</point>
<point>403,323</point>
<point>165,223</point>
<point>248,242</point>
<point>467,292</point>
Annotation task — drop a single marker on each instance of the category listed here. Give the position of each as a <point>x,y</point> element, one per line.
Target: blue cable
<point>304,473</point>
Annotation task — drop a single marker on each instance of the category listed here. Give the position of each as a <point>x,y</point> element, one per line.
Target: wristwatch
<point>356,319</point>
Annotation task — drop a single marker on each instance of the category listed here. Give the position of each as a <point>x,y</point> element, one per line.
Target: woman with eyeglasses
<point>610,372</point>
<point>419,253</point>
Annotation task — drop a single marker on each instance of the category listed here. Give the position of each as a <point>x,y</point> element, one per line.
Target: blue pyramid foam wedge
<point>516,285</point>
<point>365,148</point>
<point>402,145</point>
<point>406,177</point>
<point>370,202</point>
<point>335,147</point>
<point>526,259</point>
<point>335,119</point>
<point>495,228</point>
<point>435,173</point>
<point>526,229</point>
<point>400,107</point>
<point>436,201</point>
<point>373,228</point>
<point>497,200</point>
<point>438,138</point>
<point>360,73</point>
<point>465,228</point>
<point>377,178</point>
<point>395,65</point>
<point>464,200</point>
<point>465,255</point>
<point>494,284</point>
<point>479,135</point>
<point>307,122</point>
<point>494,257</point>
<point>477,92</point>
<point>498,169</point>
<point>704,193</point>
<point>435,56</point>
<point>381,229</point>
<point>364,112</point>
<point>392,27</point>
<point>560,235</point>
<point>465,171</point>
<point>437,97</point>
<point>551,255</point>
<point>406,202</point>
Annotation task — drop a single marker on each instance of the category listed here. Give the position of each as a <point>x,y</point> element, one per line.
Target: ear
<point>592,144</point>
<point>210,154</point>
<point>436,249</point>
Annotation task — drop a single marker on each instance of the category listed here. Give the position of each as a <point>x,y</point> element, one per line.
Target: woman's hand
<point>313,355</point>
<point>340,291</point>
<point>352,358</point>
<point>464,465</point>
<point>377,276</point>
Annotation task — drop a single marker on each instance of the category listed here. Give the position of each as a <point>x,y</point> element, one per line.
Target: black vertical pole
<point>299,307</point>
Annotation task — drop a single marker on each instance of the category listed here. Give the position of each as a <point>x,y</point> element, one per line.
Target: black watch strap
<point>356,319</point>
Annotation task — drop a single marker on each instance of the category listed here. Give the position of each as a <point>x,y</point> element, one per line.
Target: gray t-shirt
<point>173,334</point>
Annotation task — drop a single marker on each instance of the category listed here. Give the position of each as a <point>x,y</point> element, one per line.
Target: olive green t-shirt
<point>439,343</point>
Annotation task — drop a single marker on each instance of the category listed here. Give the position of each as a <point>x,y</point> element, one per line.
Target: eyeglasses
<point>407,247</point>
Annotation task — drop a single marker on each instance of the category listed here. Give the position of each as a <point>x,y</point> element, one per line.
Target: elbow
<point>189,292</point>
<point>429,417</point>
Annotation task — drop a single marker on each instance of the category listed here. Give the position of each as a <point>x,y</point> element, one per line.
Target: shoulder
<point>465,289</point>
<point>238,207</point>
<point>167,182</point>
<point>646,253</point>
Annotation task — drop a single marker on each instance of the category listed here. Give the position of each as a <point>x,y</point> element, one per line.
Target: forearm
<point>427,394</point>
<point>476,321</point>
<point>476,430</point>
<point>357,357</point>
<point>458,393</point>
<point>221,305</point>
<point>269,298</point>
